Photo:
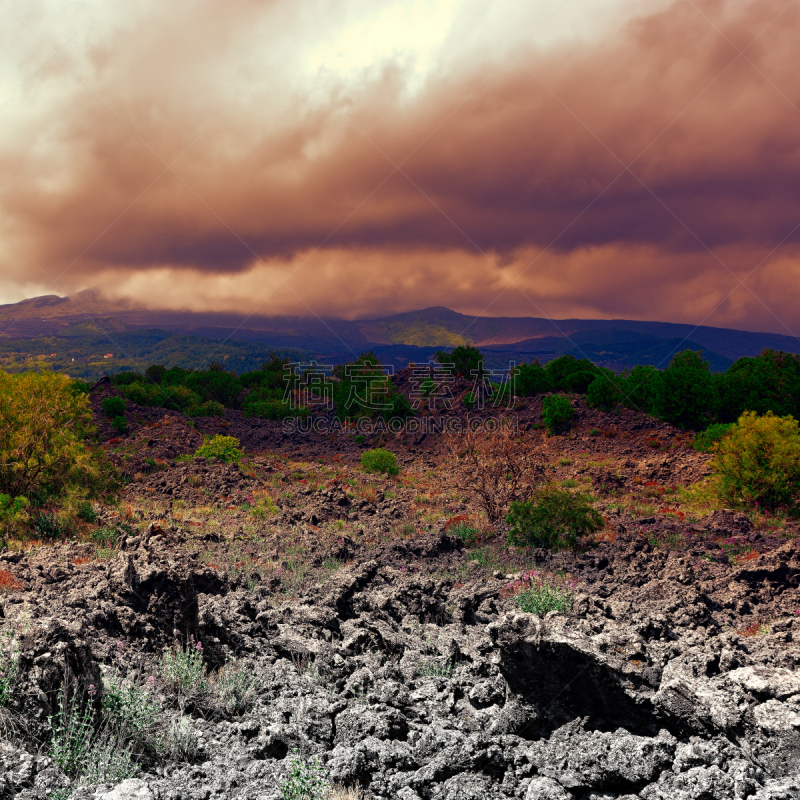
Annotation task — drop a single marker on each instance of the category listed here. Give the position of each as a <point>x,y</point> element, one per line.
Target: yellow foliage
<point>758,462</point>
<point>42,428</point>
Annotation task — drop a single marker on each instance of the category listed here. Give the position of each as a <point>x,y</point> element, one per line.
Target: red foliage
<point>8,583</point>
<point>457,520</point>
<point>674,511</point>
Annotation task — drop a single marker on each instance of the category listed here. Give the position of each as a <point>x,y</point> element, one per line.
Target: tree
<point>603,391</point>
<point>769,382</point>
<point>638,387</point>
<point>42,428</point>
<point>561,369</point>
<point>684,394</point>
<point>532,379</point>
<point>466,359</point>
<point>492,467</point>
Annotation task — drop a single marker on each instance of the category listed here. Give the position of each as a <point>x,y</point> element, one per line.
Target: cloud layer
<point>208,155</point>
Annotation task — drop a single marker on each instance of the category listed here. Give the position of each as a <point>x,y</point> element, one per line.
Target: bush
<point>493,467</point>
<point>236,685</point>
<point>557,413</point>
<point>704,442</point>
<point>183,670</point>
<point>224,447</point>
<point>113,406</point>
<point>86,512</point>
<point>305,781</point>
<point>211,408</point>
<point>758,462</point>
<point>13,512</point>
<point>120,424</point>
<point>555,519</point>
<point>379,460</point>
<point>42,429</point>
<point>769,382</point>
<point>131,708</point>
<point>51,525</point>
<point>107,536</point>
<point>81,751</point>
<point>543,596</point>
<point>466,532</point>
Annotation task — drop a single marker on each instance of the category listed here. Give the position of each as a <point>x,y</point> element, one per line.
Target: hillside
<point>398,339</point>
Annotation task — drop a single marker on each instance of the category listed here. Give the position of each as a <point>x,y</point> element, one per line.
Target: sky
<point>634,159</point>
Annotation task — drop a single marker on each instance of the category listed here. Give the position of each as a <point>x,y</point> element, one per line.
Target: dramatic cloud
<point>614,160</point>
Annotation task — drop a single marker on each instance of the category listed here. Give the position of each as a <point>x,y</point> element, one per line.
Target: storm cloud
<point>212,155</point>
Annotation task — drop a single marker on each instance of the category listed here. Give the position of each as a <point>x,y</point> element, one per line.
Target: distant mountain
<point>398,339</point>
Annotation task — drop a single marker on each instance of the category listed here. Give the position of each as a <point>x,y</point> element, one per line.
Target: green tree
<point>769,382</point>
<point>603,391</point>
<point>43,424</point>
<point>638,387</point>
<point>685,394</point>
<point>532,379</point>
<point>465,358</point>
<point>569,374</point>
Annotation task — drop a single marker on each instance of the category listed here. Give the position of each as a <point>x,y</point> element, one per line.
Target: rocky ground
<point>347,635</point>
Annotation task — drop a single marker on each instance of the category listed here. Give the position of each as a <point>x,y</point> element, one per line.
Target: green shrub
<point>578,382</point>
<point>758,462</point>
<point>86,511</point>
<point>557,413</point>
<point>13,512</point>
<point>275,409</point>
<point>120,424</point>
<point>83,752</point>
<point>594,432</point>
<point>306,781</point>
<point>131,708</point>
<point>183,671</point>
<point>379,460</point>
<point>224,447</point>
<point>555,519</point>
<point>127,378</point>
<point>210,408</point>
<point>704,442</point>
<point>108,536</point>
<point>769,382</point>
<point>51,525</point>
<point>113,406</point>
<point>544,596</point>
<point>10,654</point>
<point>235,685</point>
<point>362,389</point>
<point>466,532</point>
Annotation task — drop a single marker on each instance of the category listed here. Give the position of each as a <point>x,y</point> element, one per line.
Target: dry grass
<point>759,628</point>
<point>339,792</point>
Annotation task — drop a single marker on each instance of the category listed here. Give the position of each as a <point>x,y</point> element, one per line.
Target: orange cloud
<point>635,175</point>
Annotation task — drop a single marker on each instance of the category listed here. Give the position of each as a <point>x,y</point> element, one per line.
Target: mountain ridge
<point>613,343</point>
